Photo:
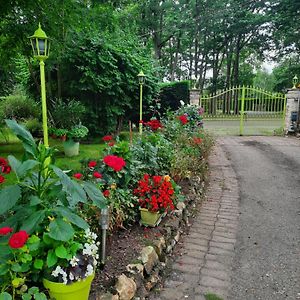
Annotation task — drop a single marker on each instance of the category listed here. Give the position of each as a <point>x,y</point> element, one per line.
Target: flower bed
<point>62,210</point>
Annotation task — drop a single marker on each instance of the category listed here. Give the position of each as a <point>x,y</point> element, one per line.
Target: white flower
<point>57,271</point>
<point>74,261</point>
<point>181,102</point>
<point>71,276</point>
<point>89,270</point>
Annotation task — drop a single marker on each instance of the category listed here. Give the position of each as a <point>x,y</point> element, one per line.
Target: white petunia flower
<point>89,270</point>
<point>57,271</point>
<point>74,261</point>
<point>71,276</point>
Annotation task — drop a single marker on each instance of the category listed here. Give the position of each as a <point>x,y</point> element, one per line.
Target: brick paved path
<point>208,249</point>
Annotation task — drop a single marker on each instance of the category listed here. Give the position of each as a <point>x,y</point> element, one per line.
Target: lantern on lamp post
<point>295,81</point>
<point>41,46</point>
<point>141,77</point>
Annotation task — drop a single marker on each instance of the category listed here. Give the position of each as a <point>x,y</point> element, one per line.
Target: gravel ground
<point>266,264</point>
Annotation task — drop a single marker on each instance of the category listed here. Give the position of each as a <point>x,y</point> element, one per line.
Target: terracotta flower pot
<point>78,290</point>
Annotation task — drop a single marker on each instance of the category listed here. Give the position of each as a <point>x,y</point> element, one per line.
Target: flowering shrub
<point>155,193</point>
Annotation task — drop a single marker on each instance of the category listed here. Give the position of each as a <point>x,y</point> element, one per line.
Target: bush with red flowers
<point>183,119</point>
<point>156,193</point>
<point>154,124</point>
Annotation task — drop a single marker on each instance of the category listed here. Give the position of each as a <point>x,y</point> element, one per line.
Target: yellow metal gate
<point>244,110</point>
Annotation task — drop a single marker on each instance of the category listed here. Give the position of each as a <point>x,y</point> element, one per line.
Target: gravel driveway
<point>267,253</point>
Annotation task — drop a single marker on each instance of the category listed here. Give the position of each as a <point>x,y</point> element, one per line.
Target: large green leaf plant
<point>46,204</point>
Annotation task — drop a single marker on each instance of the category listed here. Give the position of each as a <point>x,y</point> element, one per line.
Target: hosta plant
<point>42,213</point>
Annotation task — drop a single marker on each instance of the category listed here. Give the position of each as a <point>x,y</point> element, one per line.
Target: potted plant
<point>156,196</point>
<point>43,233</point>
<point>71,145</point>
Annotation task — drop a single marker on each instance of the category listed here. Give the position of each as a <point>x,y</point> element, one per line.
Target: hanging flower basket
<point>78,290</point>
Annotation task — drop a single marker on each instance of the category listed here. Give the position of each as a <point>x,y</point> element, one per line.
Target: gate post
<point>242,110</point>
<point>195,97</point>
<point>292,108</point>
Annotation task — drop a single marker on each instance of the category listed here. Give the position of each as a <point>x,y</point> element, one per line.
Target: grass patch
<point>210,296</point>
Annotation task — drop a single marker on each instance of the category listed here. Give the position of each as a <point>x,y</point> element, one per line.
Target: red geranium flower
<point>111,144</point>
<point>18,239</point>
<point>154,124</point>
<point>97,174</point>
<point>107,138</point>
<point>92,164</point>
<point>2,179</point>
<point>6,169</point>
<point>3,161</point>
<point>77,175</point>
<point>197,141</point>
<point>5,230</point>
<point>114,162</point>
<point>183,119</point>
<point>106,193</point>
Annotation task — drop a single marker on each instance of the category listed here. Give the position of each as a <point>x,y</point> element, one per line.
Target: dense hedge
<point>171,93</point>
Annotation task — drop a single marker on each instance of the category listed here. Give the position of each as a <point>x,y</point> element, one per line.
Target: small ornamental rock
<point>160,245</point>
<point>135,268</point>
<point>149,258</point>
<point>107,296</point>
<point>126,287</point>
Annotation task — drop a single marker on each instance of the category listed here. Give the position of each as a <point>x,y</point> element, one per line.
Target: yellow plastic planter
<point>78,290</point>
<point>149,218</point>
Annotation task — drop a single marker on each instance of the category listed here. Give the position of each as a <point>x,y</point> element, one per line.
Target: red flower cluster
<point>197,140</point>
<point>114,162</point>
<point>92,164</point>
<point>155,193</point>
<point>17,240</point>
<point>106,193</point>
<point>97,174</point>
<point>107,138</point>
<point>153,124</point>
<point>78,175</point>
<point>183,119</point>
<point>4,168</point>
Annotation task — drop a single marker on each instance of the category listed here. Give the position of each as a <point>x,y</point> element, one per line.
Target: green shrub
<point>172,93</point>
<point>34,126</point>
<point>19,107</point>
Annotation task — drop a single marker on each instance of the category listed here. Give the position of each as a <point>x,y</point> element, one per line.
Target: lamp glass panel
<point>42,46</point>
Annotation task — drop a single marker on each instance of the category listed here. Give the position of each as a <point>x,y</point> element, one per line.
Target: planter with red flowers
<point>157,196</point>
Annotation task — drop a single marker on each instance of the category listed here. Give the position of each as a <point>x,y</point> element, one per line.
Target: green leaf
<point>5,296</point>
<point>61,252</point>
<point>33,221</point>
<point>20,168</point>
<point>38,264</point>
<point>26,297</point>
<point>75,247</point>
<point>34,200</point>
<point>9,197</point>
<point>14,163</point>
<point>72,217</point>
<point>33,290</point>
<point>3,269</point>
<point>95,194</point>
<point>16,267</point>
<point>60,230</point>
<point>73,189</point>
<point>51,258</point>
<point>40,296</point>
<point>24,135</point>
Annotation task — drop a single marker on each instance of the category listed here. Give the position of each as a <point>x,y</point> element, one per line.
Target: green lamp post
<point>41,46</point>
<point>141,77</point>
<point>295,81</point>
